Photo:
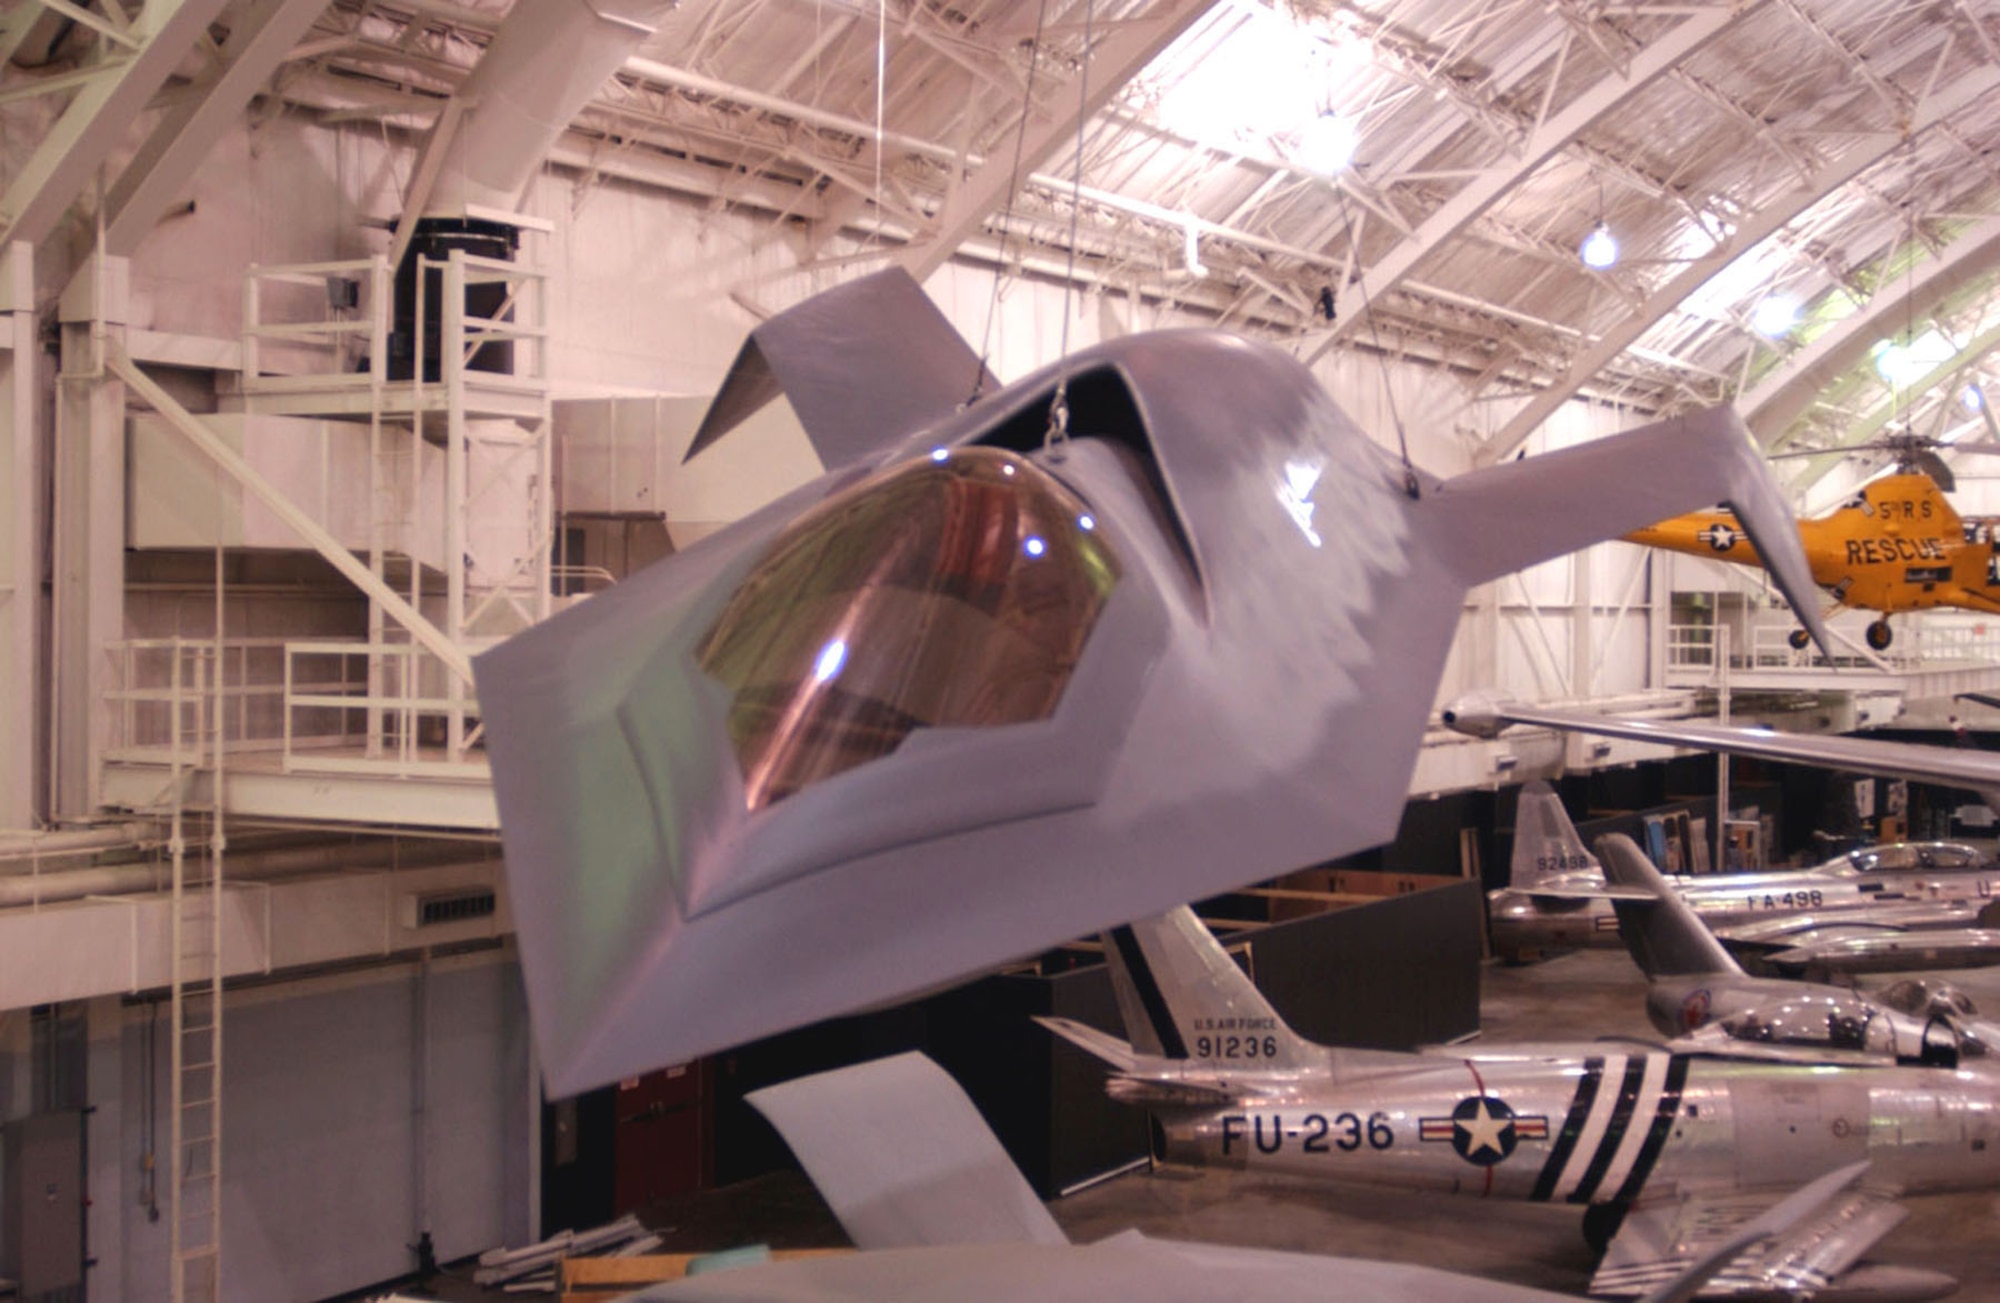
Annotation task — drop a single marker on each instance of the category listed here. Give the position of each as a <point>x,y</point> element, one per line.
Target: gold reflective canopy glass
<point>954,590</point>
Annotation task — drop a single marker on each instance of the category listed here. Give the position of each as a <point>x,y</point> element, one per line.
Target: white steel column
<point>451,370</point>
<point>20,499</point>
<point>1583,650</point>
<point>89,600</point>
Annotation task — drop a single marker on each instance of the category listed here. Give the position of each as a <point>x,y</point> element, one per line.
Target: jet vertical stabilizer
<point>1664,934</point>
<point>1183,998</point>
<point>1546,845</point>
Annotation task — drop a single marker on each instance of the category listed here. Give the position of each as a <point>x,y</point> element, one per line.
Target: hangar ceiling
<point>1830,161</point>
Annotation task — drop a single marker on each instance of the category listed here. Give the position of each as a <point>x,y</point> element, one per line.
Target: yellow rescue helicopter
<point>1896,545</point>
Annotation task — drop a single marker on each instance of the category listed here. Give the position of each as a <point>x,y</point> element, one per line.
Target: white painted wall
<point>319,1133</point>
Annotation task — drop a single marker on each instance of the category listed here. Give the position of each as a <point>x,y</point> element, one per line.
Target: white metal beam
<point>1549,139</point>
<point>20,571</point>
<point>97,118</point>
<point>1901,403</point>
<point>1771,406</point>
<point>261,38</point>
<point>1867,151</point>
<point>1120,57</point>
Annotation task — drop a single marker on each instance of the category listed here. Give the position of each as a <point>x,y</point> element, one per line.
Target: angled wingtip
<point>1507,517</point>
<point>865,364</point>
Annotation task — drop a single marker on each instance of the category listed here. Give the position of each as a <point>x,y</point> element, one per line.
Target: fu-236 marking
<point>1316,1132</point>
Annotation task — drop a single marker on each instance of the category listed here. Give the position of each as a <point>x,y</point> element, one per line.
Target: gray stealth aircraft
<point>924,1190</point>
<point>1668,1153</point>
<point>1154,622</point>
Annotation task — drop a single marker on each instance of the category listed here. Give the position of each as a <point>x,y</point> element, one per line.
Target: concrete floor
<point>1592,993</point>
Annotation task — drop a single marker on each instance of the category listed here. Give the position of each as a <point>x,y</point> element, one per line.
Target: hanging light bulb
<point>1774,315</point>
<point>1599,249</point>
<point>1327,143</point>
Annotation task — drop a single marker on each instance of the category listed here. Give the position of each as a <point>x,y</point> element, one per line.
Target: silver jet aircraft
<point>1666,1152</point>
<point>1696,991</point>
<point>1881,908</point>
<point>924,1190</point>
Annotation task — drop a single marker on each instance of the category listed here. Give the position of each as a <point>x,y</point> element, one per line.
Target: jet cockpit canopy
<point>1921,997</point>
<point>1907,857</point>
<point>1840,1024</point>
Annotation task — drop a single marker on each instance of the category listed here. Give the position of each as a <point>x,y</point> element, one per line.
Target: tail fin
<point>1666,937</point>
<point>1545,841</point>
<point>1183,998</point>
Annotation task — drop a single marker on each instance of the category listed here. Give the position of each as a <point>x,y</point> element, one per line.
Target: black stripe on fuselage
<point>1172,1044</point>
<point>1614,1135</point>
<point>1579,1110</point>
<point>1656,1139</point>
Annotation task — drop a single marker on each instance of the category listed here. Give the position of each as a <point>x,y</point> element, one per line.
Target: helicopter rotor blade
<point>1933,465</point>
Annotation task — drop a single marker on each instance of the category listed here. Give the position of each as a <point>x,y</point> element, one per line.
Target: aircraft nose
<point>954,590</point>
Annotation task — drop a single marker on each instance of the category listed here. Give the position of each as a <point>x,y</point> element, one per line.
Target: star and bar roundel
<point>1483,1130</point>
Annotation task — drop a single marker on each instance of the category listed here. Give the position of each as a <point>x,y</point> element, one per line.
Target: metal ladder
<point>195,1076</point>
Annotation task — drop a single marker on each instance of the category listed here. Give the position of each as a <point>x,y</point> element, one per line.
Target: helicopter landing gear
<point>1880,635</point>
<point>1798,638</point>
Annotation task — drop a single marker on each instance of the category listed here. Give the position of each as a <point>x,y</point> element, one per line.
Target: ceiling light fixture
<point>1327,143</point>
<point>1774,315</point>
<point>1599,249</point>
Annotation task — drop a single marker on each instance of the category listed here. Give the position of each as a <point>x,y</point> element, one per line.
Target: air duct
<point>542,67</point>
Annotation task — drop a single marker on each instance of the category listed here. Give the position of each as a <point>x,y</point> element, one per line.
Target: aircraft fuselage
<point>1596,1127</point>
<point>1916,896</point>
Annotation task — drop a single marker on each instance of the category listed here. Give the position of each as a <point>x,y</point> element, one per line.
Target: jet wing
<point>1606,892</point>
<point>1103,1045</point>
<point>1891,952</point>
<point>1483,717</point>
<point>903,1158</point>
<point>1661,1238</point>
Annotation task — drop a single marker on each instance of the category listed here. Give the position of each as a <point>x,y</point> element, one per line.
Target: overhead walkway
<point>1934,657</point>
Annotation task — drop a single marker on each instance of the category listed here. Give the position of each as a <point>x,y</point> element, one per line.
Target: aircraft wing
<point>1806,1240</point>
<point>1606,892</point>
<point>903,1158</point>
<point>1103,1045</point>
<point>1927,949</point>
<point>1552,506</point>
<point>1951,767</point>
